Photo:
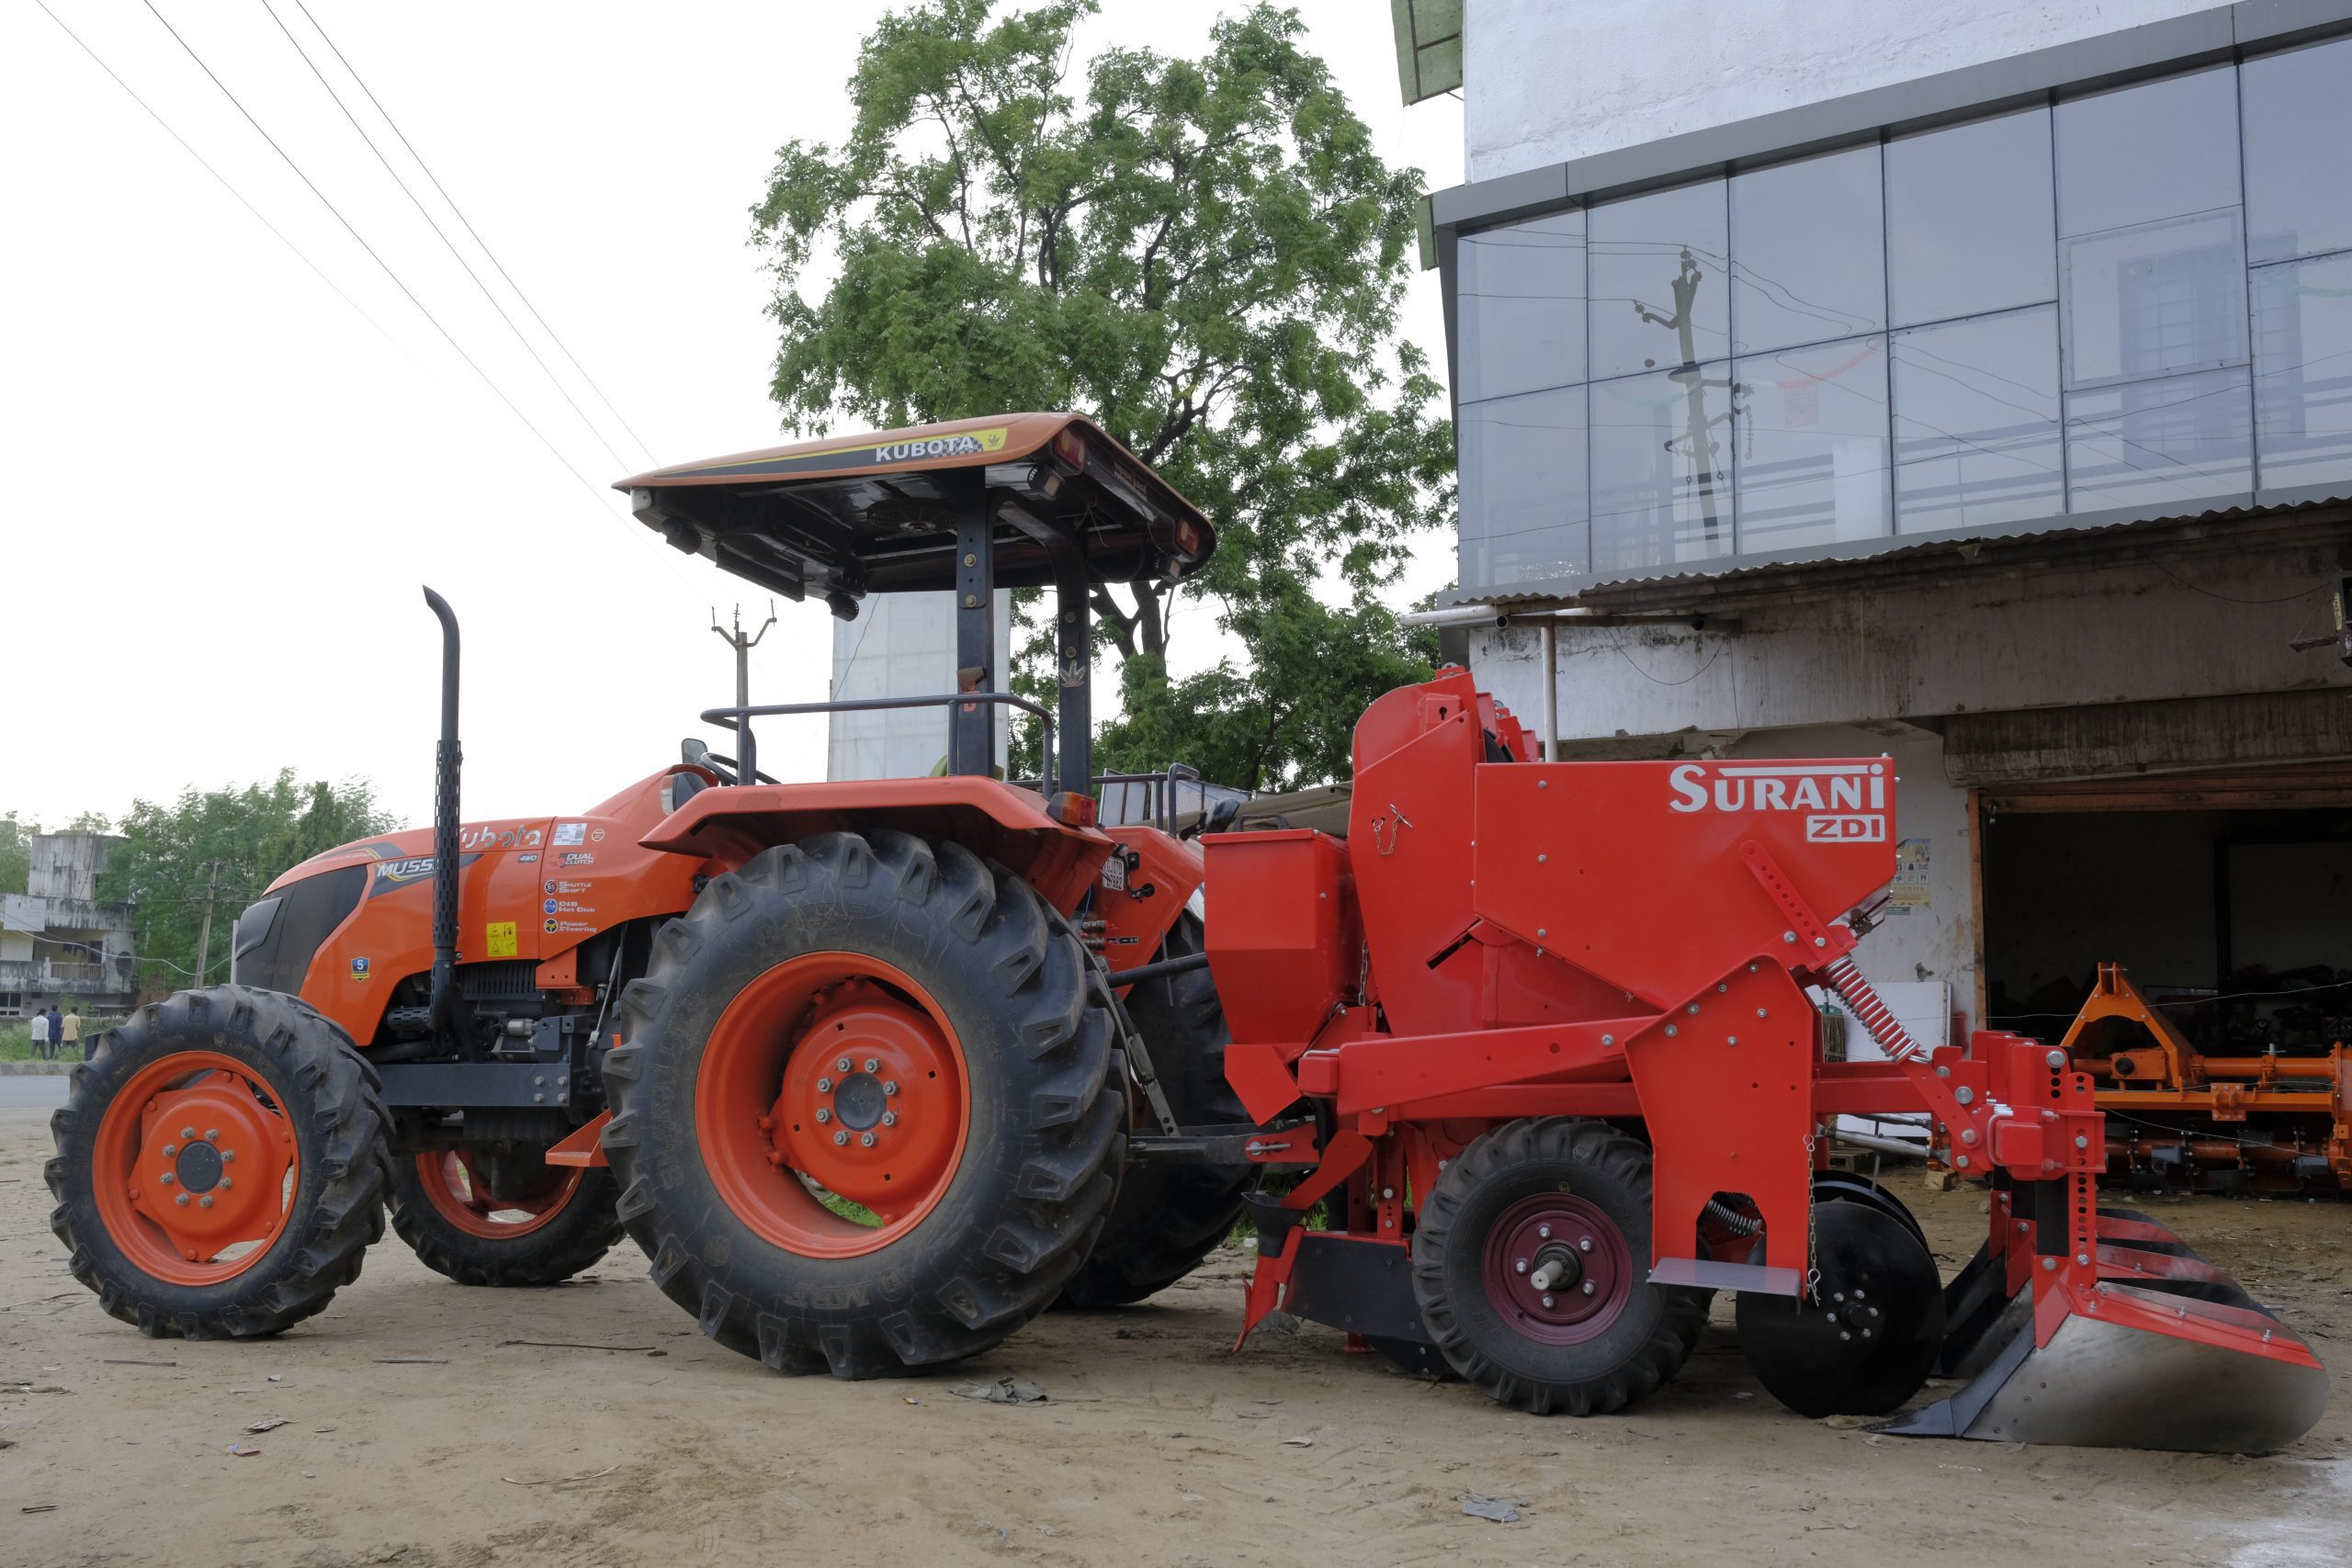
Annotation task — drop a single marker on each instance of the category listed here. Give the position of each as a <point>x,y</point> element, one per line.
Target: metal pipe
<point>447,756</point>
<point>1550,642</point>
<point>735,718</point>
<point>1882,1145</point>
<point>1153,971</point>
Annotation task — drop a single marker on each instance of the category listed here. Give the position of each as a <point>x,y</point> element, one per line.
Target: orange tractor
<point>874,1072</point>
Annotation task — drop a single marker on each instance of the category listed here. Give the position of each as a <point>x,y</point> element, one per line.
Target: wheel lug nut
<point>212,1134</point>
<point>170,1149</point>
<point>872,1065</point>
<point>168,1178</point>
<point>1521,1265</point>
<point>824,1114</point>
<point>181,1200</point>
<point>1588,1287</point>
<point>890,1087</point>
<point>205,1201</point>
<point>841,1138</point>
<point>824,1085</point>
<point>188,1132</point>
<point>841,1066</point>
<point>228,1155</point>
<point>865,1140</point>
<point>1583,1243</point>
<point>889,1118</point>
<point>227,1182</point>
<point>1549,1301</point>
<point>1543,1231</point>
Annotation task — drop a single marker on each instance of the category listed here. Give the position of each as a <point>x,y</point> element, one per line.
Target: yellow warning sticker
<point>498,940</point>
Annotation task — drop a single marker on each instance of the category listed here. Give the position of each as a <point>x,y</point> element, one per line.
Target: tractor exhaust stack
<point>447,755</point>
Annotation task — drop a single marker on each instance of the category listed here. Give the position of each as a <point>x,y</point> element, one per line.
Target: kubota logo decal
<point>964,445</point>
<point>1847,801</point>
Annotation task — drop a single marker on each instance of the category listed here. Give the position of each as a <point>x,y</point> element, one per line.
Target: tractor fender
<point>996,820</point>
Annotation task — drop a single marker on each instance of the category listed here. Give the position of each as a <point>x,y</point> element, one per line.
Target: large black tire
<point>328,1096</point>
<point>1168,1217</point>
<point>572,1238</point>
<point>1636,1353</point>
<point>1043,1051</point>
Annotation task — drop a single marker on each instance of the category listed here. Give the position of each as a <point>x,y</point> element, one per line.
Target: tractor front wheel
<point>502,1218</point>
<point>1531,1262</point>
<point>220,1164</point>
<point>867,1112</point>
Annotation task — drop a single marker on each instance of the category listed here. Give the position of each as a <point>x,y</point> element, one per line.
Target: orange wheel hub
<point>194,1168</point>
<point>832,1073</point>
<point>459,1195</point>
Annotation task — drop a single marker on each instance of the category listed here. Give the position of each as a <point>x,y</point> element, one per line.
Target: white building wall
<point>902,645</point>
<point>1545,81</point>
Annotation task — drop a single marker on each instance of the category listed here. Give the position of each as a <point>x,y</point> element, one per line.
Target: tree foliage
<point>234,841</point>
<point>1207,257</point>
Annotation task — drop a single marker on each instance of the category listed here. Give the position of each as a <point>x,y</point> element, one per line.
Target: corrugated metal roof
<point>2085,535</point>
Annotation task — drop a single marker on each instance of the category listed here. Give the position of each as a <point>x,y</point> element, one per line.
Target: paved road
<point>32,1091</point>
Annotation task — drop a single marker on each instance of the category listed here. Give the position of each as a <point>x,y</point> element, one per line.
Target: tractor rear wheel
<point>866,1115</point>
<point>508,1219</point>
<point>220,1164</point>
<point>1564,1199</point>
<point>1168,1217</point>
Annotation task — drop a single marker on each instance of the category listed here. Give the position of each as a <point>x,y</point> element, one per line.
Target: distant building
<point>59,942</point>
<point>1971,383</point>
<point>902,645</point>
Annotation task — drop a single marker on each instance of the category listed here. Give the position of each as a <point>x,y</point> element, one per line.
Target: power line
<point>486,251</point>
<point>471,363</point>
<point>223,179</point>
<point>618,461</point>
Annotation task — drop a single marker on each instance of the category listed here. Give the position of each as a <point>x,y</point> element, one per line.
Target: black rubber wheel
<point>1036,1037</point>
<point>283,1082</point>
<point>1867,1339</point>
<point>562,1221</point>
<point>1633,1335</point>
<point>1168,1217</point>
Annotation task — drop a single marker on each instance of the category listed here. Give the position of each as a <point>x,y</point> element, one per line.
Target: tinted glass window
<point>1969,226</point>
<point>1658,293</point>
<point>1808,252</point>
<point>2297,125</point>
<point>1661,470</point>
<point>2187,440</point>
<point>2302,366</point>
<point>2155,299</point>
<point>1977,423</point>
<point>1520,323</point>
<point>1813,432</point>
<point>2158,149</point>
<point>1523,488</point>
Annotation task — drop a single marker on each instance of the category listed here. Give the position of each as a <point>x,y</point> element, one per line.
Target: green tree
<point>15,851</point>
<point>233,843</point>
<point>1207,257</point>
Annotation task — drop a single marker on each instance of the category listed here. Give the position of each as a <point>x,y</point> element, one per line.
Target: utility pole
<point>204,932</point>
<point>742,645</point>
<point>1698,441</point>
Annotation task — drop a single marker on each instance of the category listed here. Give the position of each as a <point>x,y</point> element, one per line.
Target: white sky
<point>226,485</point>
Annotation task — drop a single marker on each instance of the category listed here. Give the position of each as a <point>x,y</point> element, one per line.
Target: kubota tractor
<point>874,1072</point>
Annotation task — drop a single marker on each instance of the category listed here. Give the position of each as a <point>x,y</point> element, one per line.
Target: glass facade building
<point>2129,301</point>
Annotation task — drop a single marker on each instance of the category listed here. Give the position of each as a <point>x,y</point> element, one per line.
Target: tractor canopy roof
<point>876,514</point>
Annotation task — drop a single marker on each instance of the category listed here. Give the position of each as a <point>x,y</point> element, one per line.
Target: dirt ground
<point>419,1433</point>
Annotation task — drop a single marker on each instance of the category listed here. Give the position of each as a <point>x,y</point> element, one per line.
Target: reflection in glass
<point>2162,149</point>
<point>1968,222</point>
<point>1977,423</point>
<point>2297,124</point>
<point>1661,470</point>
<point>1658,299</point>
<point>1521,316</point>
<point>2155,299</point>
<point>1523,488</point>
<point>1810,261</point>
<point>2159,444</point>
<point>1812,427</point>
<point>2303,365</point>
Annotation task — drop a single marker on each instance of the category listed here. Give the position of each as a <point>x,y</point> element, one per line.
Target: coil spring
<point>1872,1014</point>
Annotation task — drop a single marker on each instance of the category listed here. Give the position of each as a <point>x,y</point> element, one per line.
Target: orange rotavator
<point>874,1072</point>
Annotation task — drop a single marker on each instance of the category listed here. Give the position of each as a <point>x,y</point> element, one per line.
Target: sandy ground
<point>1159,1446</point>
